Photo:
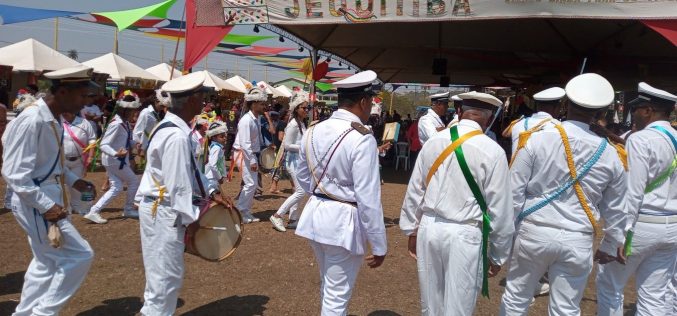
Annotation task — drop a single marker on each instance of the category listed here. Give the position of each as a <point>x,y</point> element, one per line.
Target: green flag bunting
<point>123,19</point>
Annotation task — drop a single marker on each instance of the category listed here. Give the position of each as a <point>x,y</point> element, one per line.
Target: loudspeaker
<point>444,81</point>
<point>440,66</point>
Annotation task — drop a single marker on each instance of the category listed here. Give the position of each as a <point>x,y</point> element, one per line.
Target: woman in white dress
<point>298,106</point>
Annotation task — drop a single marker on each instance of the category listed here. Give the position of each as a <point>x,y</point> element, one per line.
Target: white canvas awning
<point>286,92</point>
<point>33,56</point>
<point>241,84</point>
<point>217,83</point>
<point>270,89</point>
<point>163,71</point>
<point>118,68</point>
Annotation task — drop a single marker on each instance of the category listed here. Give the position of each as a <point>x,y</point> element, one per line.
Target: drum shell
<point>198,230</point>
<point>267,160</point>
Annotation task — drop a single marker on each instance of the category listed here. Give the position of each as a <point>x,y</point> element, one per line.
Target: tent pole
<point>313,61</point>
<point>56,33</point>
<point>392,95</point>
<point>115,42</point>
<point>178,39</point>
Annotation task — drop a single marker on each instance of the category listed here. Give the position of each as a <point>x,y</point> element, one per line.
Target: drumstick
<point>214,228</point>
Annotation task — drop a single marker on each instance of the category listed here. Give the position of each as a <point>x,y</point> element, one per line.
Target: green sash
<point>486,220</point>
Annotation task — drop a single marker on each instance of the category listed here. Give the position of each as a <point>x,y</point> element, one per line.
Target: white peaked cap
<point>590,91</point>
<point>550,94</point>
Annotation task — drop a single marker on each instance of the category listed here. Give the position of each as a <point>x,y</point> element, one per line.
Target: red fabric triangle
<point>667,28</point>
<point>200,40</point>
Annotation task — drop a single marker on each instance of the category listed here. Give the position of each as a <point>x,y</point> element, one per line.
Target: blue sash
<point>672,138</point>
<point>581,174</point>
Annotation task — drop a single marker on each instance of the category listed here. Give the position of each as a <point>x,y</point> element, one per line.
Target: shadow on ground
<point>249,305</point>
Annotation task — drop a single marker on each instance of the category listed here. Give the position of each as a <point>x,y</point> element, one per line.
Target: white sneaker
<point>248,218</point>
<point>130,214</point>
<point>543,289</point>
<point>96,218</point>
<point>278,223</point>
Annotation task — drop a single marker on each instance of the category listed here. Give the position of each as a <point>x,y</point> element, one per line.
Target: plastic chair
<point>402,153</point>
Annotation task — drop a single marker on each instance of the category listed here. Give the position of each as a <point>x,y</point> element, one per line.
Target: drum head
<point>267,158</point>
<point>219,234</point>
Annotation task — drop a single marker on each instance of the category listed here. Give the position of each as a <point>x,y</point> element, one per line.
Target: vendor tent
<point>489,42</point>
<point>241,84</point>
<point>217,83</point>
<point>33,56</point>
<point>118,68</point>
<point>164,71</point>
<point>270,89</point>
<point>286,92</point>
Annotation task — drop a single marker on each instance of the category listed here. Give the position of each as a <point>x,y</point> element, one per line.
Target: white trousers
<point>162,246</point>
<point>250,179</point>
<point>77,204</point>
<point>338,272</point>
<point>671,297</point>
<point>118,179</point>
<point>448,260</point>
<point>565,255</point>
<point>652,261</point>
<point>54,275</point>
<point>291,204</point>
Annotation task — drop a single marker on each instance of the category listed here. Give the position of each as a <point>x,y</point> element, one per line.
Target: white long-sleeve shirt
<point>530,122</point>
<point>215,167</point>
<point>449,196</point>
<point>168,162</point>
<point>248,138</point>
<point>293,134</point>
<point>118,135</point>
<point>427,125</point>
<point>541,168</point>
<point>351,175</point>
<point>83,131</point>
<point>650,152</point>
<point>30,150</point>
<point>144,126</point>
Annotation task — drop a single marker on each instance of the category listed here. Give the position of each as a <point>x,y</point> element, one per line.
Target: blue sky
<point>93,40</point>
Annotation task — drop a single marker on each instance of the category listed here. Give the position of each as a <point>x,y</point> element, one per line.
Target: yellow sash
<point>524,137</point>
<point>447,151</point>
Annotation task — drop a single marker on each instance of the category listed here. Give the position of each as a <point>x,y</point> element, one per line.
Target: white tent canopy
<point>270,90</point>
<point>241,84</point>
<point>118,68</point>
<point>217,83</point>
<point>32,56</point>
<point>163,71</point>
<point>286,92</point>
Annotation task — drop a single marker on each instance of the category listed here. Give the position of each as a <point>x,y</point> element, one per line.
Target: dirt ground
<point>271,273</point>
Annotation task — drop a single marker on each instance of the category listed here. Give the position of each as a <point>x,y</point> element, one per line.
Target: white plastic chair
<point>402,153</point>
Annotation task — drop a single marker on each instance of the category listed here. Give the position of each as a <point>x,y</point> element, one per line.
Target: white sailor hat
<point>550,94</point>
<point>358,83</point>
<point>185,85</point>
<point>590,91</point>
<point>456,98</point>
<point>216,128</point>
<point>440,97</point>
<point>298,98</point>
<point>72,75</point>
<point>480,100</point>
<point>256,95</point>
<point>649,94</point>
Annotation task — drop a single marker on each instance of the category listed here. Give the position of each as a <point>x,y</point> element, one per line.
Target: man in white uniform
<point>247,147</point>
<point>165,197</point>
<point>548,105</point>
<point>78,144</point>
<point>91,112</point>
<point>115,145</point>
<point>339,167</point>
<point>431,123</point>
<point>148,118</point>
<point>34,168</point>
<point>444,218</point>
<point>557,216</point>
<point>652,207</point>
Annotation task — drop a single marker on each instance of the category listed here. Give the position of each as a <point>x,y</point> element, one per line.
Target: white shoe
<point>248,218</point>
<point>96,218</point>
<point>278,223</point>
<point>543,289</point>
<point>130,214</point>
